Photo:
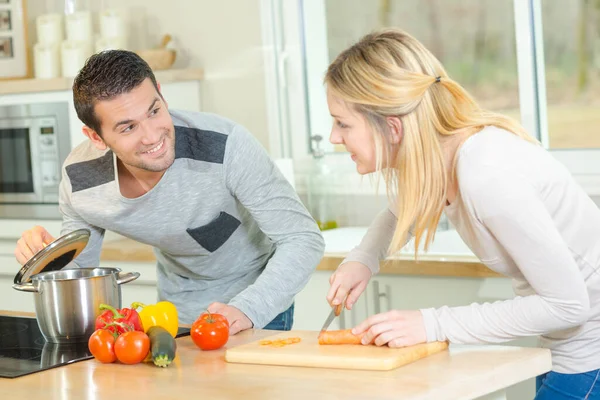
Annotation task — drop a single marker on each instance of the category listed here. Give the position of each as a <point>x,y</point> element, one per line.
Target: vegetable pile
<point>130,337</point>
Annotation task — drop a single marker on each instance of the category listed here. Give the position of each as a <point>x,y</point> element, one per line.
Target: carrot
<point>344,336</point>
<point>279,342</point>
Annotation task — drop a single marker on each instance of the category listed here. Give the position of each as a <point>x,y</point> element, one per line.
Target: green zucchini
<point>162,346</point>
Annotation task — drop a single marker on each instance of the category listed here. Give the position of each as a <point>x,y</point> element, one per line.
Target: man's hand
<point>32,241</point>
<point>395,328</point>
<point>238,321</point>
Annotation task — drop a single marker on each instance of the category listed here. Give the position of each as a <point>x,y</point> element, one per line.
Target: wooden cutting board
<point>309,353</point>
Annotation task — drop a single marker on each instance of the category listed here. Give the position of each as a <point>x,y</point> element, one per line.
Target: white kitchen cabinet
<point>397,292</point>
<point>412,292</point>
<point>11,299</point>
<point>143,289</point>
<point>10,232</point>
<point>311,307</point>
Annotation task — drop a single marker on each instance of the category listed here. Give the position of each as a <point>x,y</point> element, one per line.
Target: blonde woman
<point>399,114</point>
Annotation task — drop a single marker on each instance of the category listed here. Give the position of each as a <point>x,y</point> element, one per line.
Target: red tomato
<point>210,331</point>
<point>132,347</point>
<point>102,346</point>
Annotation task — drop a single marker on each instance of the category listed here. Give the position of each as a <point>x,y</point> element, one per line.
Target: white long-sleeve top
<point>522,214</point>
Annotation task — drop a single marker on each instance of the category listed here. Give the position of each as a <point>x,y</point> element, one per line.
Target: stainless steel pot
<point>67,301</point>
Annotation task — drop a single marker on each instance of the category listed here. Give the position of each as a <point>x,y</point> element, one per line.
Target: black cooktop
<point>23,349</point>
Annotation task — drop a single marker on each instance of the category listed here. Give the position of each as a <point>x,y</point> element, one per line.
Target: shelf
<point>58,84</point>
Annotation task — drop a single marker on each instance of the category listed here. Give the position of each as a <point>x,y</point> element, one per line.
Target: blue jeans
<point>282,322</point>
<point>557,386</point>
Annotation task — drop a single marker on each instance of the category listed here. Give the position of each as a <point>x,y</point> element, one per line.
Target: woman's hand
<point>348,282</point>
<point>395,328</point>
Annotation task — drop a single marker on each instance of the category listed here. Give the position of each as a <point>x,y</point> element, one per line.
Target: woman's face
<point>351,129</point>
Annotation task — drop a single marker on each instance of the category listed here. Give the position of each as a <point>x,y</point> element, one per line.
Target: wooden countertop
<point>123,250</point>
<point>461,372</point>
<point>57,84</point>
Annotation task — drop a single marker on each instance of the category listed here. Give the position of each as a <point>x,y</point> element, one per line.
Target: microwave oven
<point>34,143</point>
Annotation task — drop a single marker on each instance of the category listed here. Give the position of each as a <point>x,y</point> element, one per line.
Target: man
<point>229,232</point>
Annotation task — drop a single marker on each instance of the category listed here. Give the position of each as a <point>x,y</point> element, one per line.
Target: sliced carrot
<point>279,342</point>
<point>344,336</point>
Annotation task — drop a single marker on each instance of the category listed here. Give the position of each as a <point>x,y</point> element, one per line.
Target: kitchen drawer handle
<point>378,295</point>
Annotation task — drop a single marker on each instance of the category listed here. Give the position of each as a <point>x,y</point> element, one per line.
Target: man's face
<point>138,128</point>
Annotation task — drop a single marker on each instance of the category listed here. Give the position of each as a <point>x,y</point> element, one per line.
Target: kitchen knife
<point>335,311</point>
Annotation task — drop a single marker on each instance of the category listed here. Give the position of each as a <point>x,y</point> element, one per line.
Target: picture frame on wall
<point>14,57</point>
<point>5,20</point>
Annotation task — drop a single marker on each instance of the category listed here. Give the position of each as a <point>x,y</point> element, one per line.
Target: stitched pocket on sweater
<point>214,234</point>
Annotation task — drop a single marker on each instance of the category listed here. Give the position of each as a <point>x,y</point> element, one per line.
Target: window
<point>536,61</point>
<point>571,44</point>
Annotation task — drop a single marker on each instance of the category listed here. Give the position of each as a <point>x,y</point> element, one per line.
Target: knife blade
<point>335,311</point>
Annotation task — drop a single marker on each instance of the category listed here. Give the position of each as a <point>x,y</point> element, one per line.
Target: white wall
<point>223,37</point>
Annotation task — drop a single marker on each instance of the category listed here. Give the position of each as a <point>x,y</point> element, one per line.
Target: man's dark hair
<point>104,76</point>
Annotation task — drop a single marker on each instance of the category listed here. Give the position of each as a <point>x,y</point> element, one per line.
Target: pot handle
<point>124,277</point>
<point>26,287</point>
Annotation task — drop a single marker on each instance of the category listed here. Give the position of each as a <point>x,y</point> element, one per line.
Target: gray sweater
<point>224,223</point>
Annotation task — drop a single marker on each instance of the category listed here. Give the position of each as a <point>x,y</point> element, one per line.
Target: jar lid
<point>55,256</point>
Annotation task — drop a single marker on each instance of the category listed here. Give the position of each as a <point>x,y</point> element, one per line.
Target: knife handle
<point>338,309</point>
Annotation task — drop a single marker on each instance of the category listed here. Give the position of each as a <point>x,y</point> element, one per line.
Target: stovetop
<point>23,349</point>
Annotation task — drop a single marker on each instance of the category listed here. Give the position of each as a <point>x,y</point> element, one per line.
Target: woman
<point>517,208</point>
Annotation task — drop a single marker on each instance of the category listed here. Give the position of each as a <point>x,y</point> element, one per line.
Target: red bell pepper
<point>118,321</point>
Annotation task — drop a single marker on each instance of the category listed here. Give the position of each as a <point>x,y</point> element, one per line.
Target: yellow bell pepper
<point>163,313</point>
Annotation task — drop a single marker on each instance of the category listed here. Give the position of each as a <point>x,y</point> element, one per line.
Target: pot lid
<point>55,256</point>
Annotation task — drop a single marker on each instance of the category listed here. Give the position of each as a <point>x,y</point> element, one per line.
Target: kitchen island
<point>463,372</point>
